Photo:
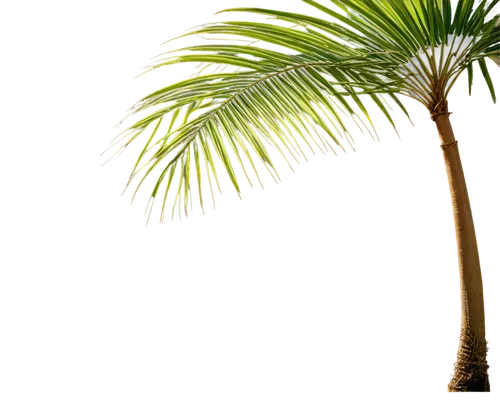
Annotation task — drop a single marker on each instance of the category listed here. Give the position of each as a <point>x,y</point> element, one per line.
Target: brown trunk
<point>471,368</point>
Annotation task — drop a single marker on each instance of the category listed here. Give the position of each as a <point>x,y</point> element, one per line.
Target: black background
<point>339,280</point>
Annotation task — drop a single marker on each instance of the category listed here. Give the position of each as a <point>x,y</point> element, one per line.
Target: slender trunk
<point>471,368</point>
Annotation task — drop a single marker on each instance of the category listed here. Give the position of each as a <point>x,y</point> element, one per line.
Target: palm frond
<point>301,86</point>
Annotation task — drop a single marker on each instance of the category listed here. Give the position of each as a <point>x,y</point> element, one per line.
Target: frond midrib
<point>209,116</point>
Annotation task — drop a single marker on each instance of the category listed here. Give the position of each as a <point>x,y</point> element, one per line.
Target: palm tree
<point>301,80</point>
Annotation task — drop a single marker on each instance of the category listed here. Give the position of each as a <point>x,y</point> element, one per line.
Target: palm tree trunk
<point>471,368</point>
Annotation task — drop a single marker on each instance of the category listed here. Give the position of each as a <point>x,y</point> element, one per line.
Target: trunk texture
<point>471,368</point>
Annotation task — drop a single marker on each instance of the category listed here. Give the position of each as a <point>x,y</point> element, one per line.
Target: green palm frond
<point>432,45</point>
<point>299,86</point>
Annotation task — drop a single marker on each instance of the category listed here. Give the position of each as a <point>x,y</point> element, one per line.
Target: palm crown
<point>296,85</point>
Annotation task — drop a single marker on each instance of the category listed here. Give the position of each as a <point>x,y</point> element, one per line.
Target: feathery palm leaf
<point>298,85</point>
